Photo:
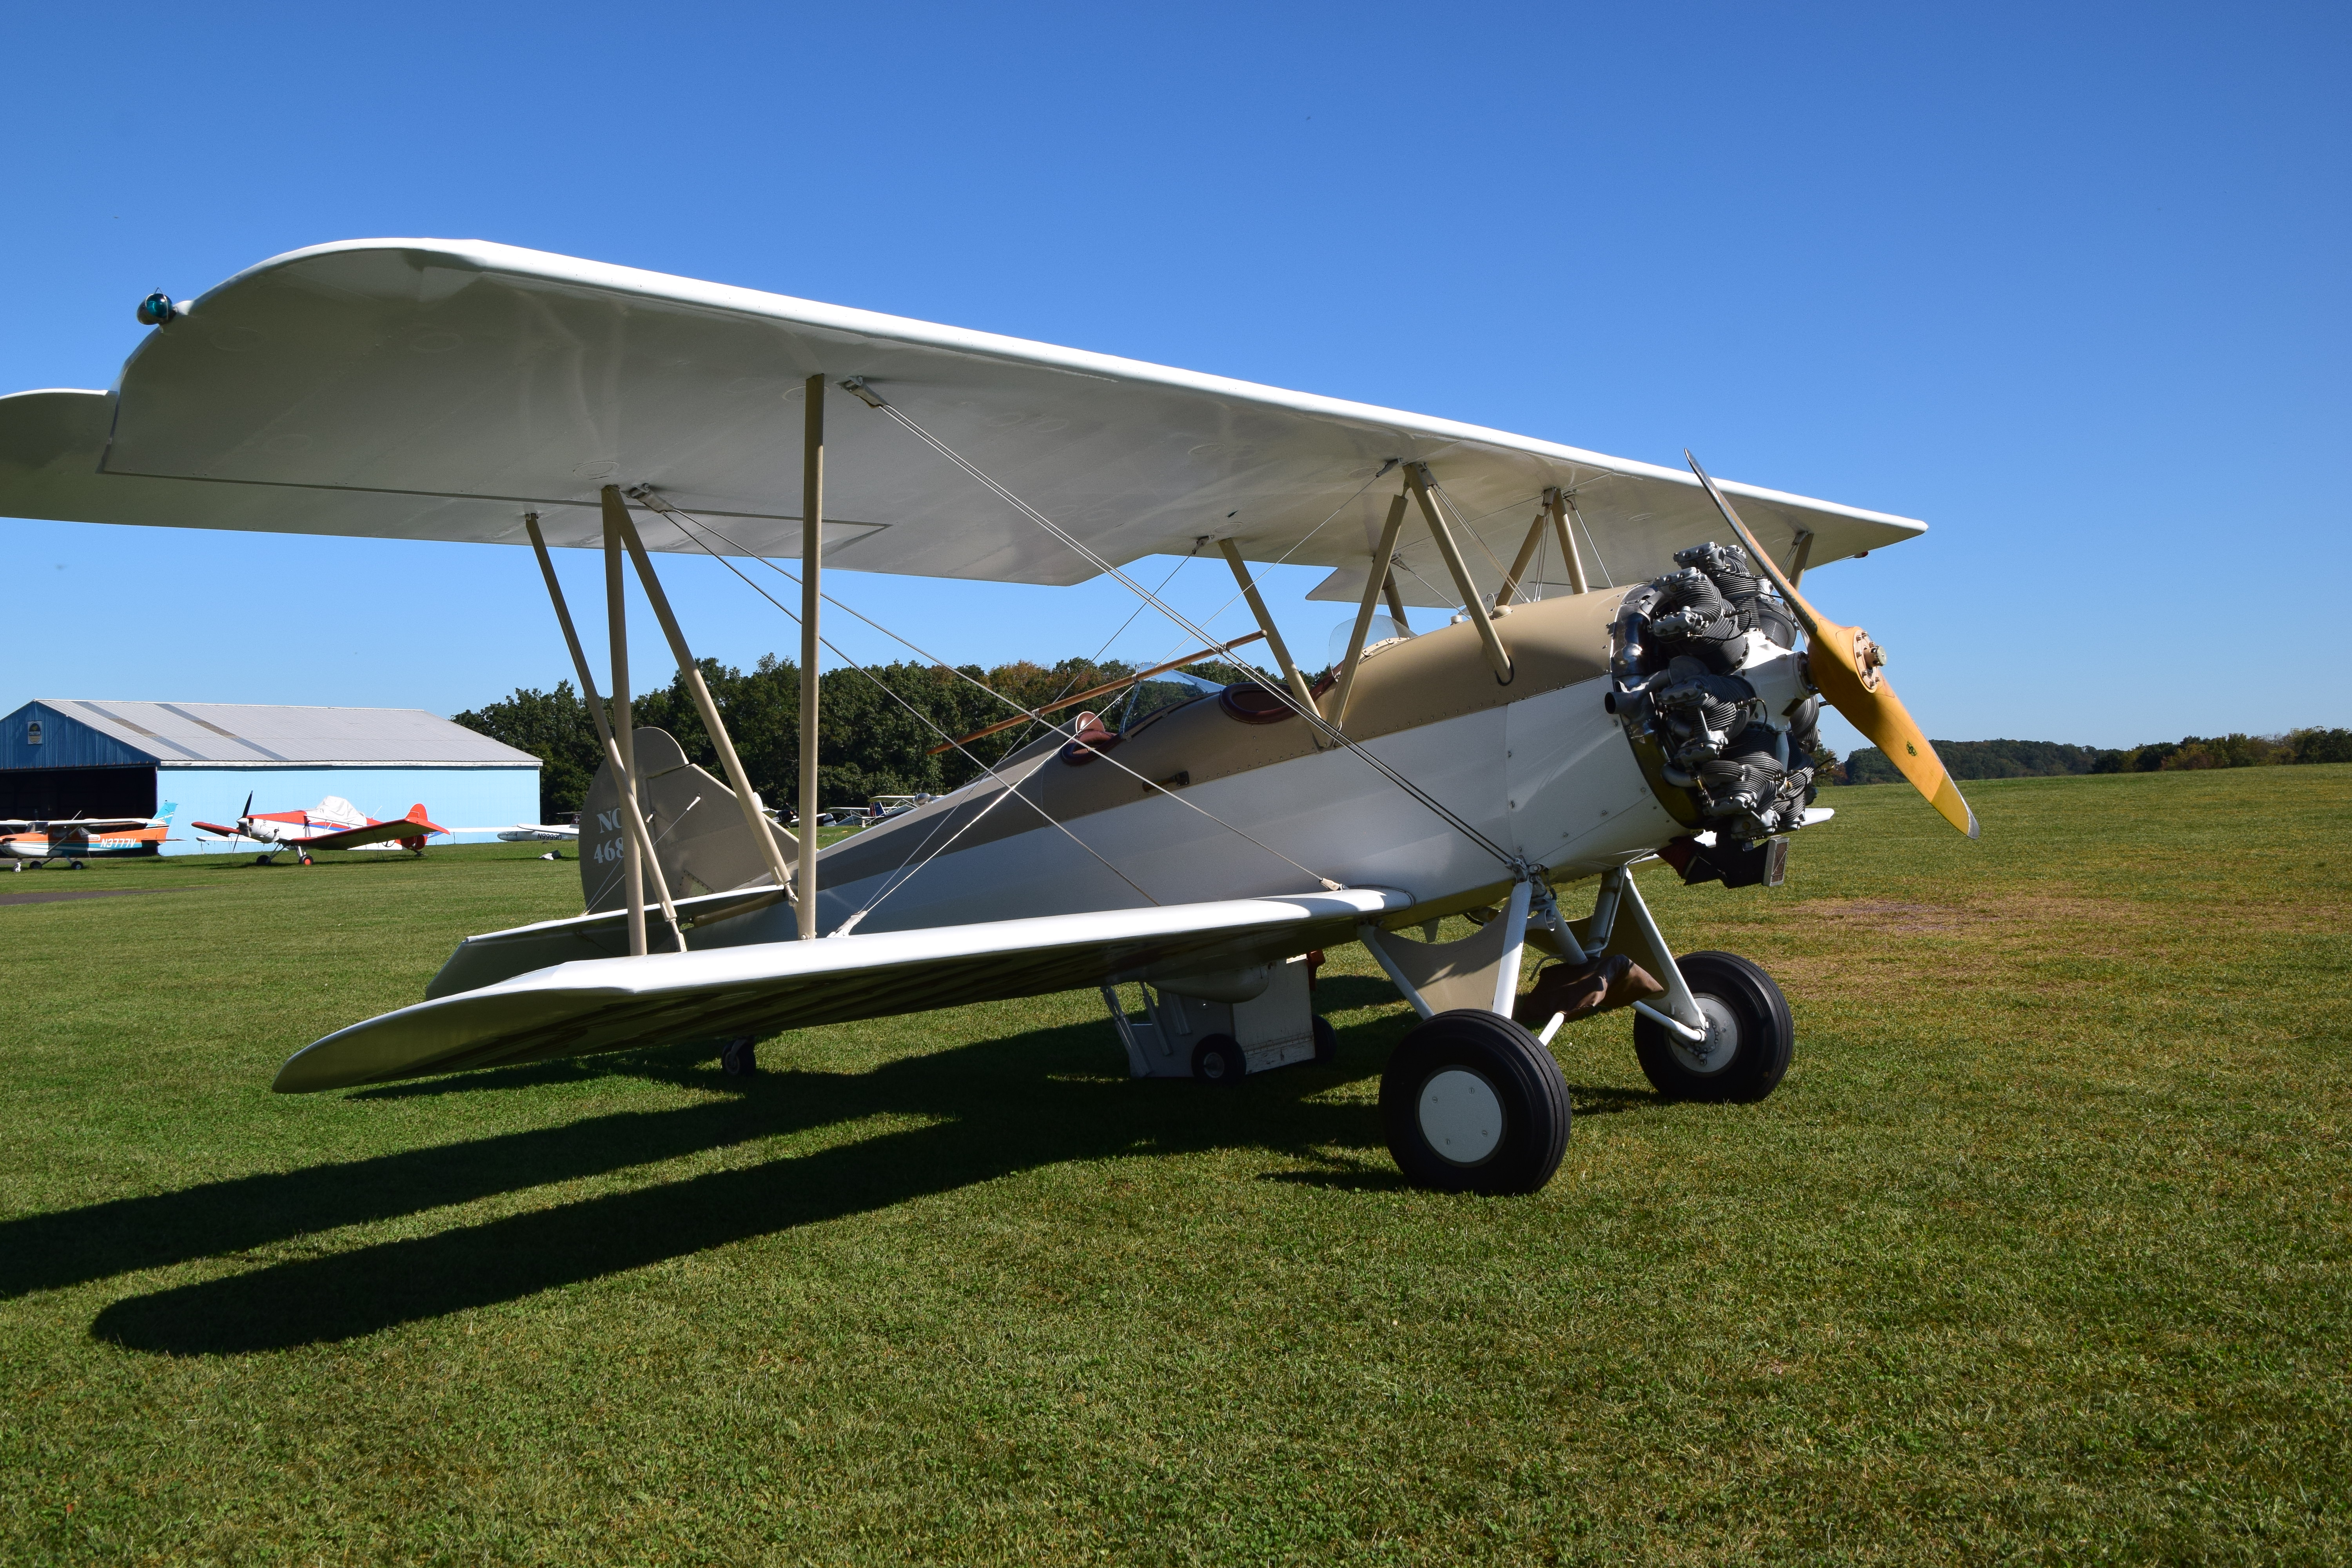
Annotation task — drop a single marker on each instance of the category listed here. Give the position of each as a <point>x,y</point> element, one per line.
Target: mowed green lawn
<point>2040,1253</point>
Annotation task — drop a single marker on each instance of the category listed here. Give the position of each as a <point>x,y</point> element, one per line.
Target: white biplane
<point>1616,673</point>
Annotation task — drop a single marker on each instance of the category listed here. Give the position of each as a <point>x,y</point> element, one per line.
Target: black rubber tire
<point>1326,1041</point>
<point>1218,1059</point>
<point>1765,1037</point>
<point>261,859</point>
<point>1524,1079</point>
<point>738,1057</point>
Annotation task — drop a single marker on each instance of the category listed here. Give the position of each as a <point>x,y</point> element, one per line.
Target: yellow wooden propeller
<point>1845,666</point>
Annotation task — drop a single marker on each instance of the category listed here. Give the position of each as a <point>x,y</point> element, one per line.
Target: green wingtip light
<point>156,308</point>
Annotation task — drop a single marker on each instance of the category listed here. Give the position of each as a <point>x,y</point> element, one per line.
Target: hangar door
<point>84,792</point>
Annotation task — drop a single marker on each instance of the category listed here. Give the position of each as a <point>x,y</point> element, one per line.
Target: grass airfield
<point>2040,1254</point>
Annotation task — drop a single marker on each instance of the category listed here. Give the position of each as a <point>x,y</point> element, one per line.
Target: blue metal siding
<point>452,797</point>
<point>65,742</point>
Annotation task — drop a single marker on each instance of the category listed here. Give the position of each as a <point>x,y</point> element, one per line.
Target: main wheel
<point>1474,1103</point>
<point>1326,1040</point>
<point>1750,1036</point>
<point>738,1057</point>
<point>1218,1059</point>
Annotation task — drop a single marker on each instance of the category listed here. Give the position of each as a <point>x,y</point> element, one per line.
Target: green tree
<point>2321,746</point>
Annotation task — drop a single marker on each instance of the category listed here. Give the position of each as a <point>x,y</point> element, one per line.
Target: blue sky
<point>2067,282</point>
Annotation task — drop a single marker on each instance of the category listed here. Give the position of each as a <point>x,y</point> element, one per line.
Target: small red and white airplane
<point>333,824</point>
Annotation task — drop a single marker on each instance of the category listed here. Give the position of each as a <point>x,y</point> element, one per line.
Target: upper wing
<point>437,389</point>
<point>613,1004</point>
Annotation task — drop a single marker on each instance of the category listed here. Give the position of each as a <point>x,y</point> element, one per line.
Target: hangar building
<point>123,759</point>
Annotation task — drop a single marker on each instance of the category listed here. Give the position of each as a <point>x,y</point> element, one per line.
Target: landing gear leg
<point>1473,1102</point>
<point>1750,1036</point>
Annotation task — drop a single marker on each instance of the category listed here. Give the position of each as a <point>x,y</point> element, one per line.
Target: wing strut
<point>1556,503</point>
<point>1265,624</point>
<point>812,560</point>
<point>1503,594</point>
<point>1380,577</point>
<point>1417,476</point>
<point>690,676</point>
<point>633,820</point>
<point>624,735</point>
<point>1396,602</point>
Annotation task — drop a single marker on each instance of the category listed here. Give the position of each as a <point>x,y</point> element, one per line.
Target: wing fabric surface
<point>437,389</point>
<point>616,1004</point>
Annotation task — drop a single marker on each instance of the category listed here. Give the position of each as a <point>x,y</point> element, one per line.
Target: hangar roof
<point>237,735</point>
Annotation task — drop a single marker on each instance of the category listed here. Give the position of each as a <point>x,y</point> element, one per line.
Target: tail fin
<point>170,808</point>
<point>699,832</point>
<point>417,814</point>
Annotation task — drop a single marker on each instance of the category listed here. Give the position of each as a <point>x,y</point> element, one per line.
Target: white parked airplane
<point>531,832</point>
<point>1560,728</point>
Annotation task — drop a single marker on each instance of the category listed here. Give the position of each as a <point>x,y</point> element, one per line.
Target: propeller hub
<point>1868,659</point>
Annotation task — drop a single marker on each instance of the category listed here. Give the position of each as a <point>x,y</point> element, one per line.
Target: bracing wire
<point>1076,675</point>
<point>1578,517</point>
<point>920,717</point>
<point>1281,560</point>
<point>680,517</point>
<point>619,870</point>
<point>1315,719</point>
<point>693,527</point>
<point>1462,517</point>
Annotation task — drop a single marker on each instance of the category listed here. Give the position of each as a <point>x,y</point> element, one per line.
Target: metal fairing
<point>1575,794</point>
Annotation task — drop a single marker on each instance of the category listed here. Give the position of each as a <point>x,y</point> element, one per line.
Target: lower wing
<point>616,1004</point>
<point>373,833</point>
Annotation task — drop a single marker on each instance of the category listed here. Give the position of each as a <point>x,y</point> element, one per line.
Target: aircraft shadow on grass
<point>1004,1106</point>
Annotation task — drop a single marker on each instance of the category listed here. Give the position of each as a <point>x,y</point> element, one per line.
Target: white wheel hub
<point>1461,1115</point>
<point>1713,1054</point>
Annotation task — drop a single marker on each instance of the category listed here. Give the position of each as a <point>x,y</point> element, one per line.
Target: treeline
<point>2040,759</point>
<point>871,724</point>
